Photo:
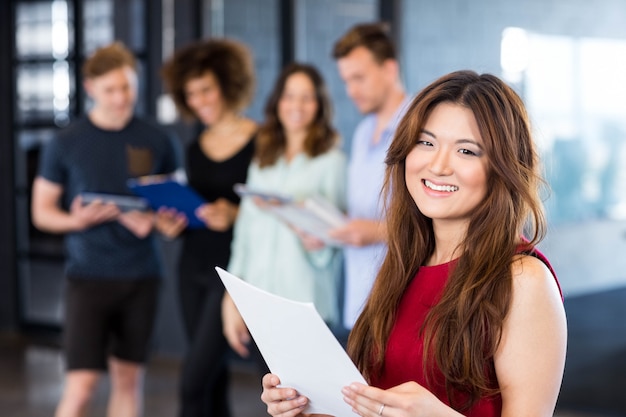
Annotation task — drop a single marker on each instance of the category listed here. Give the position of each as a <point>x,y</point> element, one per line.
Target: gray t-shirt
<point>85,158</point>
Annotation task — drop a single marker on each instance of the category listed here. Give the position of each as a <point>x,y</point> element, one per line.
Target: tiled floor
<point>31,376</point>
<point>30,385</point>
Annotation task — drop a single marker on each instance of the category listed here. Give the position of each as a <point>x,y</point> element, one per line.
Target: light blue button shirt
<point>269,255</point>
<point>366,173</point>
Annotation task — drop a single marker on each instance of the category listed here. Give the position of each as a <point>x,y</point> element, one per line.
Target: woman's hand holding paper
<point>170,222</point>
<point>309,242</point>
<point>219,215</point>
<point>406,400</point>
<point>284,402</point>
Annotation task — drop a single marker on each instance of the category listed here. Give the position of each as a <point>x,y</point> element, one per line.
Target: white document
<point>297,346</point>
<point>244,191</point>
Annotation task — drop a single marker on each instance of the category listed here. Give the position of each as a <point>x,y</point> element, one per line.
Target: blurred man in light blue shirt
<point>368,65</point>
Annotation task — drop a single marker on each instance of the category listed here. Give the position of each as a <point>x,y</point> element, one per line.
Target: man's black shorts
<point>108,318</point>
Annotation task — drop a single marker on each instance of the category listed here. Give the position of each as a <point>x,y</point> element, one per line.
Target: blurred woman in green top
<point>297,155</point>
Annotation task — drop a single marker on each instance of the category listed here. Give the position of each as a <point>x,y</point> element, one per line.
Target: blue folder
<point>172,194</point>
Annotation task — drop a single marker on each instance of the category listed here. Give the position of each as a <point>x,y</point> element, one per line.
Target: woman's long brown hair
<point>271,141</point>
<point>463,330</point>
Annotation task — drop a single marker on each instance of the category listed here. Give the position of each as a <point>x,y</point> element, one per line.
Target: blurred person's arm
<point>47,214</point>
<point>235,329</point>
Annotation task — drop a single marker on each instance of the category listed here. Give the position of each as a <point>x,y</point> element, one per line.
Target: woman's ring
<point>382,407</point>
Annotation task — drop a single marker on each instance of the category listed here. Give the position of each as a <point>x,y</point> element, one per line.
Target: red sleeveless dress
<point>405,348</point>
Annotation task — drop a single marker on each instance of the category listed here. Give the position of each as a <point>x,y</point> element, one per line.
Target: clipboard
<point>296,344</point>
<point>163,191</point>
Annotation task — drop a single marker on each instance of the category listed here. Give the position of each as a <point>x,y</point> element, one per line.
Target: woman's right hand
<point>284,402</point>
<point>169,222</point>
<point>219,215</point>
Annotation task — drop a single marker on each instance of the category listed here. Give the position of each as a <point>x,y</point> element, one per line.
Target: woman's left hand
<point>408,399</point>
<point>219,215</point>
<point>309,242</point>
<point>169,222</point>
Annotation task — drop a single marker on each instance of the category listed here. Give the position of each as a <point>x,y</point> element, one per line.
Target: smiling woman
<point>211,81</point>
<point>465,316</point>
<point>297,116</point>
<point>296,155</point>
<point>297,106</point>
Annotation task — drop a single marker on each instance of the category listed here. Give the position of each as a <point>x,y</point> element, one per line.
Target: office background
<point>567,58</point>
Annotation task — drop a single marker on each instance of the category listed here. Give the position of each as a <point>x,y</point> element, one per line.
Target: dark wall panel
<point>8,280</point>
